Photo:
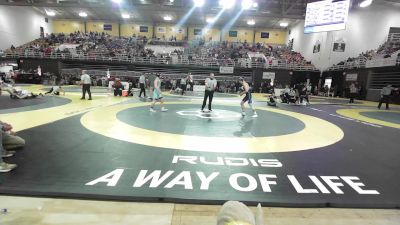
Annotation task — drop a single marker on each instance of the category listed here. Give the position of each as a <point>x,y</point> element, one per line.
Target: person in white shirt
<point>85,82</point>
<point>353,92</point>
<point>385,96</point>
<point>142,85</point>
<point>25,94</point>
<point>183,85</point>
<point>191,81</point>
<point>211,85</point>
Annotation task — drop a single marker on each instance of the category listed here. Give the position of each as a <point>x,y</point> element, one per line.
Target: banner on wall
<point>143,29</point>
<point>233,33</point>
<point>264,34</point>
<point>268,75</point>
<point>339,46</point>
<point>197,31</point>
<point>107,27</point>
<point>226,70</point>
<point>317,47</point>
<point>351,77</point>
<point>161,30</point>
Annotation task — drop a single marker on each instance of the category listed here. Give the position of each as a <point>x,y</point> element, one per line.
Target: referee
<point>142,84</point>
<point>86,81</point>
<point>211,84</point>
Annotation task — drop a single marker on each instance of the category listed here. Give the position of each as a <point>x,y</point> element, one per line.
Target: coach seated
<point>118,87</point>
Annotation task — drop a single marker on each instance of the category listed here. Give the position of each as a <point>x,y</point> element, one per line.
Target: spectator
<point>8,141</point>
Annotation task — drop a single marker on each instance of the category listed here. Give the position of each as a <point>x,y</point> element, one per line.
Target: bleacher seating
<point>100,46</point>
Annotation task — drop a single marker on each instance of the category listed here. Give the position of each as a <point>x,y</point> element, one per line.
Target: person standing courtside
<point>247,98</point>
<point>353,92</point>
<point>385,96</point>
<point>85,82</point>
<point>211,84</point>
<point>157,95</point>
<point>183,85</point>
<point>142,85</point>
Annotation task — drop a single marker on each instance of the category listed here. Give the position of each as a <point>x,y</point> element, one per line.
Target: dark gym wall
<point>47,65</point>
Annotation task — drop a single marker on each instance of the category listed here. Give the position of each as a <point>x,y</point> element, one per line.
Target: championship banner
<point>268,75</point>
<point>225,70</point>
<point>351,77</point>
<point>161,30</point>
<point>339,46</point>
<point>317,48</point>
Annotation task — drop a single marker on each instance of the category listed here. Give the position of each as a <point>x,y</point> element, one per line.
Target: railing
<point>179,60</point>
<point>136,75</point>
<point>394,37</point>
<point>356,64</point>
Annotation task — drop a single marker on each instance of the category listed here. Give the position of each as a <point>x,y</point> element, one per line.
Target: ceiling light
<point>246,4</point>
<point>125,16</point>
<point>251,22</point>
<point>83,14</point>
<point>50,13</point>
<point>283,24</point>
<point>117,1</point>
<point>210,20</point>
<point>255,5</point>
<point>365,3</point>
<point>226,4</point>
<point>167,18</point>
<point>198,3</point>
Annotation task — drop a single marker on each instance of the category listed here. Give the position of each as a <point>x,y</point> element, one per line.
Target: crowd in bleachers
<point>87,43</point>
<point>101,44</point>
<point>235,51</point>
<point>386,50</point>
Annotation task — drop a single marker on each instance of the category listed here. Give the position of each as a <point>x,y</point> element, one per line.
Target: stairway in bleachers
<point>381,79</point>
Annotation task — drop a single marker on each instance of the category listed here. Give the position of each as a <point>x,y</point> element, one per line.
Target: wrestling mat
<point>322,155</point>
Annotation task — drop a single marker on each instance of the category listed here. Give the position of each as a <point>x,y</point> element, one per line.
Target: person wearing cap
<point>210,86</point>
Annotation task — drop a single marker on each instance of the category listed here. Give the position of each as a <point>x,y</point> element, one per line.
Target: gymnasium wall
<point>129,29</point>
<point>367,28</point>
<point>66,26</point>
<point>167,30</point>
<point>19,25</point>
<point>99,27</point>
<point>212,33</point>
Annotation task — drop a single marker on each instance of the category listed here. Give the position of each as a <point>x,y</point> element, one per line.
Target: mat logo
<point>243,182</point>
<point>226,161</point>
<point>215,114</point>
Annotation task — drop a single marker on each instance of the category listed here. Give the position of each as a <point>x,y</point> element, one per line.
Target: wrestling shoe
<point>254,115</point>
<point>7,154</point>
<point>243,114</point>
<point>5,167</point>
<point>152,110</point>
<point>163,109</point>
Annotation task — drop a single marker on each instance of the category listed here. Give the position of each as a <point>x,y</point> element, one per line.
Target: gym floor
<point>328,154</point>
